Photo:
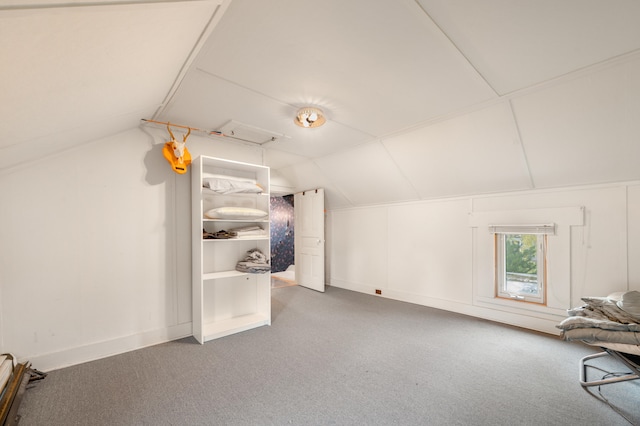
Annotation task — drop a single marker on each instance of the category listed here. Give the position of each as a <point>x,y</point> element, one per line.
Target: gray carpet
<point>338,358</point>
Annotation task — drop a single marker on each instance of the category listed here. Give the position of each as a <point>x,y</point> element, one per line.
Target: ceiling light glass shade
<point>309,117</point>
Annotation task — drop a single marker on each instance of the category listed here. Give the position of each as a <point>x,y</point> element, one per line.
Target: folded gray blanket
<point>597,335</point>
<point>255,262</point>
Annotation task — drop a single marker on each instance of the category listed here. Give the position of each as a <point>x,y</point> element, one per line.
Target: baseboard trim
<point>99,350</point>
<point>528,321</point>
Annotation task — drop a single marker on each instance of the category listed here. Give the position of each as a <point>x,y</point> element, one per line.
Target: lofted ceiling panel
<point>76,67</point>
<point>584,130</point>
<point>367,175</point>
<point>432,79</point>
<point>208,102</point>
<point>375,66</point>
<point>307,175</point>
<point>476,153</point>
<point>280,159</point>
<point>516,44</point>
<point>43,146</point>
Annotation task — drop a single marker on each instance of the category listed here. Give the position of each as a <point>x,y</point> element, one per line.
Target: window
<point>555,272</point>
<point>521,262</point>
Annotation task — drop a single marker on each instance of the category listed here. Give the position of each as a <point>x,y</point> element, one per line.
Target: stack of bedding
<point>255,262</point>
<point>602,320</point>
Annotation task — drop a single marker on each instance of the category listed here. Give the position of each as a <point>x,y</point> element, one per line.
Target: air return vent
<point>248,133</point>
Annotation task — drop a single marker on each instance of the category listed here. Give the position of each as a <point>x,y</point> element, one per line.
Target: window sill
<point>520,307</point>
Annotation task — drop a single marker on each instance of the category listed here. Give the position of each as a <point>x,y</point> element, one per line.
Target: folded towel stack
<point>250,231</point>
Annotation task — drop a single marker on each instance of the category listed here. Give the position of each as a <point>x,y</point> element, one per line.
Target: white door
<point>309,238</point>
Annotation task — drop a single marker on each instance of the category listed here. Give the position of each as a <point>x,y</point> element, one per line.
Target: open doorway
<point>297,258</point>
<point>282,241</point>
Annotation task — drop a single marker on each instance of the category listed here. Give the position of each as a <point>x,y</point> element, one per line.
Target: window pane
<point>521,264</point>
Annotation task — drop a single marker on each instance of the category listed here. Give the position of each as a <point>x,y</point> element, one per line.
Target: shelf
<point>207,192</point>
<point>216,329</point>
<point>206,219</point>
<point>223,274</point>
<point>227,301</point>
<point>207,240</point>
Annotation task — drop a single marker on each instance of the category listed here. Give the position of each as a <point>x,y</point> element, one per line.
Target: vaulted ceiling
<point>424,98</point>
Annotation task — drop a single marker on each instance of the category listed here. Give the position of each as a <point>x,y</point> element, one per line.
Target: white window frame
<point>558,295</point>
<point>501,274</point>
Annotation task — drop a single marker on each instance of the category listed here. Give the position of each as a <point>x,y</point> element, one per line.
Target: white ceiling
<point>424,98</point>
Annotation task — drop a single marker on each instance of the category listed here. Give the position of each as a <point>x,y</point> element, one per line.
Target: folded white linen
<point>247,231</point>
<point>231,186</point>
<point>235,213</point>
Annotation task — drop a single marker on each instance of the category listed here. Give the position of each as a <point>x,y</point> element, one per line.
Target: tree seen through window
<point>521,253</point>
<point>521,268</point>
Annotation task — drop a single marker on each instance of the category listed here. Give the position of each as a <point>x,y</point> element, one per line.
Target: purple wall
<point>282,246</point>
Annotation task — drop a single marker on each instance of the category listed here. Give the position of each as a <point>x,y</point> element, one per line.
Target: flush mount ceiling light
<point>309,117</point>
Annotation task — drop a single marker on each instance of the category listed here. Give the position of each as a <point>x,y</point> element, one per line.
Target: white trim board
<point>107,348</point>
<point>544,325</point>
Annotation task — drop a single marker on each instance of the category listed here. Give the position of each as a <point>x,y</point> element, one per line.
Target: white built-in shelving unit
<point>226,301</point>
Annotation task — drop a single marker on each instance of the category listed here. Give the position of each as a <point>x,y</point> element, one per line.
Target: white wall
<point>95,254</point>
<point>425,253</point>
<point>96,249</point>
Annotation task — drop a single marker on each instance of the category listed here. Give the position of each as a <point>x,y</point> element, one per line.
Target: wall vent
<point>248,133</point>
